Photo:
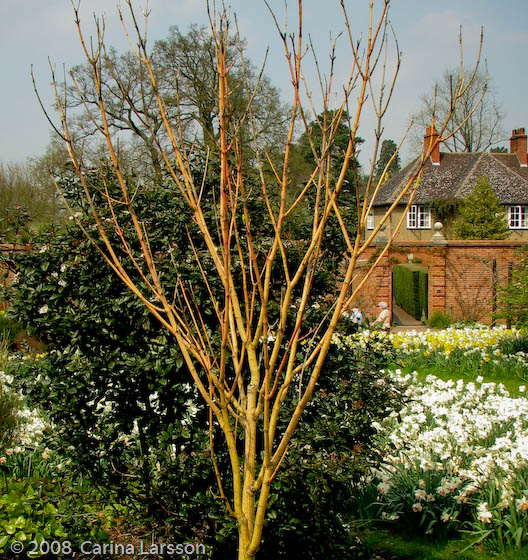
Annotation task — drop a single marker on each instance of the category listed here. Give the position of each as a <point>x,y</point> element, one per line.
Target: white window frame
<point>418,217</point>
<point>518,216</point>
<point>370,220</point>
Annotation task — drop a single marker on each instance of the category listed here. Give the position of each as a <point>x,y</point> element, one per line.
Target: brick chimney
<point>431,136</point>
<point>518,146</point>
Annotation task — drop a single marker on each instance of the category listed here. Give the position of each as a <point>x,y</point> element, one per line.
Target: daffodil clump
<point>31,424</point>
<point>451,339</point>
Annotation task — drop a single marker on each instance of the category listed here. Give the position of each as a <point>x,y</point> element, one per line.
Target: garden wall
<point>463,275</point>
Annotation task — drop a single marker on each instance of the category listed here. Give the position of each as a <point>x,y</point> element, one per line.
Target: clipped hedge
<point>410,288</point>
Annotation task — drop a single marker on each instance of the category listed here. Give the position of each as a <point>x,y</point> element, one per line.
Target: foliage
<point>9,329</point>
<point>500,512</point>
<point>24,197</point>
<point>312,148</point>
<point>439,320</point>
<point>10,420</point>
<point>514,297</point>
<point>445,210</point>
<point>42,500</point>
<point>482,215</point>
<point>129,406</point>
<point>514,344</point>
<point>410,288</point>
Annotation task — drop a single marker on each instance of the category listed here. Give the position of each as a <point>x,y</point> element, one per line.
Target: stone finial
<point>438,237</point>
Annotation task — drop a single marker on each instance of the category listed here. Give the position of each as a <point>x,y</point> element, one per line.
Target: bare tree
<point>473,131</point>
<point>262,349</point>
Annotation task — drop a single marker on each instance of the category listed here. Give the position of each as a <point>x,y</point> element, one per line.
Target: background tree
<point>388,149</point>
<point>263,348</point>
<point>481,214</point>
<point>313,149</point>
<point>186,73</point>
<point>473,131</point>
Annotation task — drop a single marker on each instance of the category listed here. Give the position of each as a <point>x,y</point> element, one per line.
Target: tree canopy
<point>186,72</point>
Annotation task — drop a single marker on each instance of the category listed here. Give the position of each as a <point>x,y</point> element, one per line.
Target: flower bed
<point>456,455</point>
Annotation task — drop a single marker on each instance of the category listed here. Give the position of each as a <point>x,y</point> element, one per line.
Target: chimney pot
<point>430,138</point>
<point>518,146</point>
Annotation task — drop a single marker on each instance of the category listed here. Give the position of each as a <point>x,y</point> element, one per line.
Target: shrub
<point>41,500</point>
<point>334,447</point>
<point>117,391</point>
<point>439,320</point>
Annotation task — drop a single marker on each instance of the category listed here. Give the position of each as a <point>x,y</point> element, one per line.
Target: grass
<point>511,380</point>
<point>400,547</point>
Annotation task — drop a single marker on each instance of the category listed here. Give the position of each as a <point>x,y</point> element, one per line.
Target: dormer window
<point>518,217</point>
<point>418,217</point>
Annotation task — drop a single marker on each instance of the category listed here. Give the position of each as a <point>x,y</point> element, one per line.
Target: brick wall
<point>462,275</point>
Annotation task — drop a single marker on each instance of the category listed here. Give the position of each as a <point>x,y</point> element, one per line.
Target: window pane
<point>411,217</point>
<point>514,216</point>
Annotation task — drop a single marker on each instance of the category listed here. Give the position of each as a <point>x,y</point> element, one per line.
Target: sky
<point>35,33</point>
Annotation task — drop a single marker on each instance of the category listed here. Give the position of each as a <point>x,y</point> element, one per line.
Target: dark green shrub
<point>439,320</point>
<point>118,393</point>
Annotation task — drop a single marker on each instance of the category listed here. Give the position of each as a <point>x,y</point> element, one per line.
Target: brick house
<point>463,275</point>
<point>453,176</point>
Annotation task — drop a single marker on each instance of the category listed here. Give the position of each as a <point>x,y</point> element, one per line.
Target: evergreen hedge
<point>410,288</point>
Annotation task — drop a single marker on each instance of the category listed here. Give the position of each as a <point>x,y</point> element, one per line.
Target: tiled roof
<point>456,176</point>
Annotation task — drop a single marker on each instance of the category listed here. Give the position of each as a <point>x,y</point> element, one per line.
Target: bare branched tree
<point>476,130</point>
<point>261,350</point>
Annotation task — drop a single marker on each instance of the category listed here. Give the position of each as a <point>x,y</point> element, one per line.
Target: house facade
<point>452,176</point>
<point>464,276</point>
